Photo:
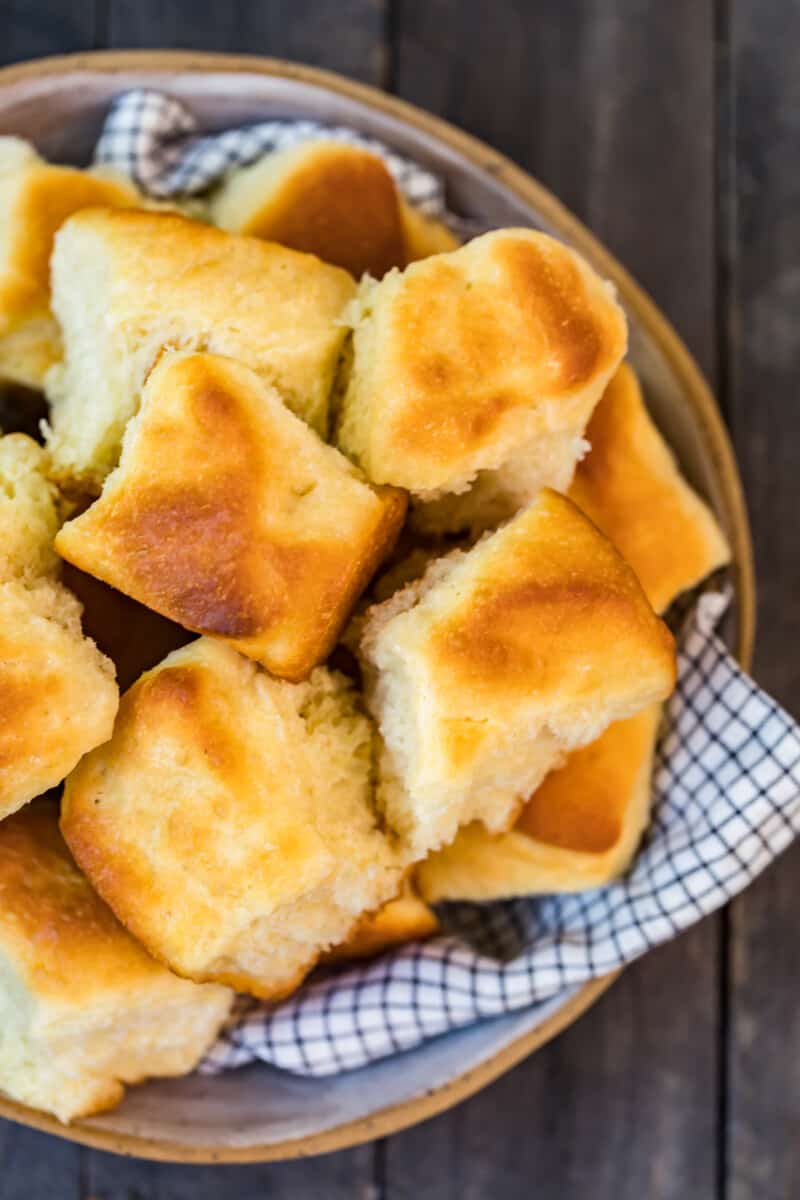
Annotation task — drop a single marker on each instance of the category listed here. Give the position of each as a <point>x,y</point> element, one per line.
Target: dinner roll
<point>327,198</point>
<point>578,830</point>
<point>58,697</point>
<point>229,820</point>
<point>84,1010</point>
<point>128,284</point>
<point>474,375</point>
<point>228,515</point>
<point>631,487</point>
<point>35,199</point>
<point>406,918</point>
<point>485,672</point>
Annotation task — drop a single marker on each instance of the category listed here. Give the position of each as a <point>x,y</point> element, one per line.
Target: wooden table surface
<point>672,127</point>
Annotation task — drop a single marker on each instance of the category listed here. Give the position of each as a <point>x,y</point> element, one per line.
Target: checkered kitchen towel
<point>726,787</point>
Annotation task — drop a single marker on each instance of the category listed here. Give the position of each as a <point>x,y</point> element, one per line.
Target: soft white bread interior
<point>35,199</point>
<point>324,197</point>
<point>29,511</point>
<point>579,829</point>
<point>631,487</point>
<point>228,515</point>
<point>58,696</point>
<point>84,1010</point>
<point>498,662</point>
<point>229,820</point>
<point>127,285</point>
<point>474,374</point>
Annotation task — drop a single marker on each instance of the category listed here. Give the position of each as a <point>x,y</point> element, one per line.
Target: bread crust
<point>229,516</point>
<point>630,485</point>
<point>85,1010</point>
<point>228,821</point>
<point>322,197</point>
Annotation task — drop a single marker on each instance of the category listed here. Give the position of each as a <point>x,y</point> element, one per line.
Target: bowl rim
<point>721,456</point>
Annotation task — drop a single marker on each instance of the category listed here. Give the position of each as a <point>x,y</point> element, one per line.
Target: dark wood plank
<point>347,36</point>
<point>762,267</point>
<point>344,1176</point>
<point>32,28</point>
<point>612,107</point>
<point>34,1166</point>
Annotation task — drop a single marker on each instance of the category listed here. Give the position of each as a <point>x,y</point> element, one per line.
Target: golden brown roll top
<point>323,197</point>
<point>488,359</point>
<point>578,830</point>
<point>484,673</point>
<point>58,697</point>
<point>229,516</point>
<point>84,1010</point>
<point>35,200</point>
<point>228,821</point>
<point>127,285</point>
<point>631,487</point>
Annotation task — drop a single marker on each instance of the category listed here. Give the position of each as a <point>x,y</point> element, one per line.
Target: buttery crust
<point>631,487</point>
<point>484,673</point>
<point>578,830</point>
<point>58,692</point>
<point>83,1008</point>
<point>467,356</point>
<point>229,516</point>
<point>325,198</point>
<point>228,820</point>
<point>35,200</point>
<point>58,696</point>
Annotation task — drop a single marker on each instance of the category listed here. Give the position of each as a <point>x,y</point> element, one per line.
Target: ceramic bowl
<point>259,1113</point>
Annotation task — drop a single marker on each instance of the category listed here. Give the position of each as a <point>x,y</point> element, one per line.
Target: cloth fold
<point>726,785</point>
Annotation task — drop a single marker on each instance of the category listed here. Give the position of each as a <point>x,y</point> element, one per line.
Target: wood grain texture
<point>346,36</point>
<point>343,1176</point>
<point>34,1166</point>
<point>33,28</point>
<point>762,267</point>
<point>587,96</point>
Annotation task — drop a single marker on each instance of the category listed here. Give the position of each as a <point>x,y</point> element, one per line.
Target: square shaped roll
<point>84,1010</point>
<point>58,696</point>
<point>35,199</point>
<point>487,671</point>
<point>631,487</point>
<point>228,515</point>
<point>127,285</point>
<point>324,197</point>
<point>578,830</point>
<point>229,821</point>
<point>474,374</point>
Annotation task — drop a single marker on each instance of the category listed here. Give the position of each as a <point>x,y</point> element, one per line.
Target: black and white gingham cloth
<point>155,140</point>
<point>726,786</point>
